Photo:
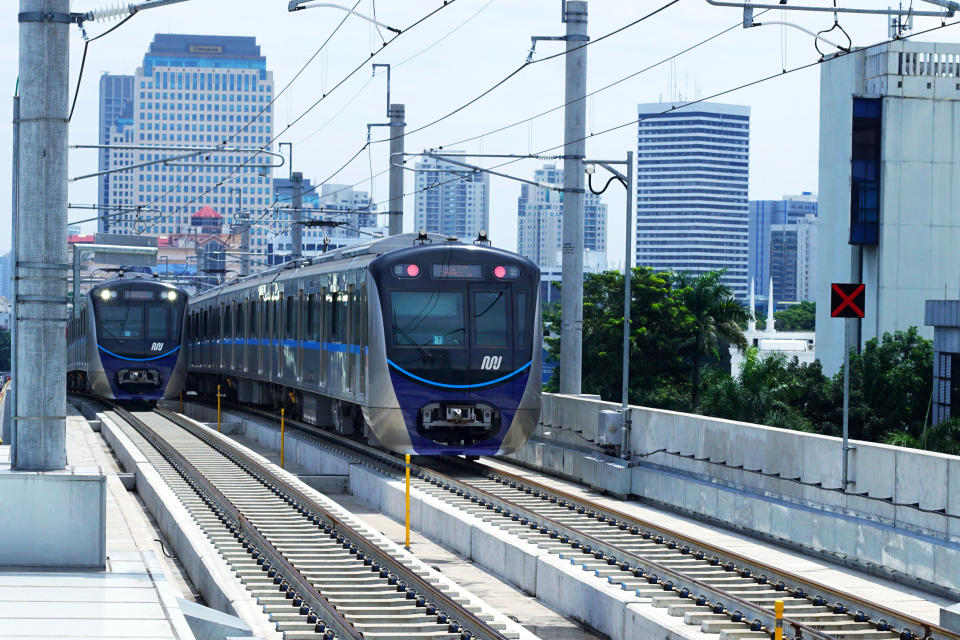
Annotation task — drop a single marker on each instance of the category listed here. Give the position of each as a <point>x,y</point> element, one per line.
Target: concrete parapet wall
<point>899,517</point>
<point>221,590</point>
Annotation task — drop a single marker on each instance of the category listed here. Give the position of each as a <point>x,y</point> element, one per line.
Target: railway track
<point>314,575</point>
<point>714,588</point>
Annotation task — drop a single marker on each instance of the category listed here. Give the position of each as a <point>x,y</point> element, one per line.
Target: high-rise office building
<point>116,103</point>
<point>889,163</point>
<point>451,200</point>
<point>200,91</point>
<point>540,222</point>
<point>692,178</point>
<point>773,243</point>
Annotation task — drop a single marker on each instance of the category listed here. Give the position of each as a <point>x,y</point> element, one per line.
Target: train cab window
<point>121,321</point>
<point>432,318</point>
<point>490,318</point>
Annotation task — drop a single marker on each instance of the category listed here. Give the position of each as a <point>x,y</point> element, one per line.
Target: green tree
<point>942,438</point>
<point>798,317</point>
<point>4,351</point>
<point>657,334</point>
<point>714,315</point>
<point>890,385</point>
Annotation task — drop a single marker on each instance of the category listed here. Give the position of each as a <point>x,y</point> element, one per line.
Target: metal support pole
<point>846,399</point>
<point>406,539</point>
<point>40,268</point>
<point>218,408</point>
<point>181,402</point>
<point>571,294</point>
<point>627,296</point>
<point>244,241</point>
<point>296,230</point>
<point>397,125</point>
<point>283,433</point>
<point>6,430</point>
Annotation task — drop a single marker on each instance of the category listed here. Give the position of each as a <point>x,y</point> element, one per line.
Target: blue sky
<point>461,51</point>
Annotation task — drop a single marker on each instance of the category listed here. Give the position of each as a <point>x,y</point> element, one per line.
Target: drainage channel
<point>314,575</point>
<point>711,587</point>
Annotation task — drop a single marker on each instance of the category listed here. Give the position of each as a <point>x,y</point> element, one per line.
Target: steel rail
<point>414,585</point>
<point>875,612</point>
<point>242,527</point>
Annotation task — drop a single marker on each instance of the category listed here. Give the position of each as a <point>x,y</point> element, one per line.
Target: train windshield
<point>422,318</point>
<point>134,320</point>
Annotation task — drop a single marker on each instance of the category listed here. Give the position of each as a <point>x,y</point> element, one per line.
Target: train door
<point>351,338</point>
<point>364,339</point>
<point>287,367</point>
<point>326,316</point>
<point>301,332</point>
<point>258,334</point>
<point>491,345</point>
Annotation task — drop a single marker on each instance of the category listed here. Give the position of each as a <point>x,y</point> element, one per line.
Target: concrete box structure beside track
<point>900,516</point>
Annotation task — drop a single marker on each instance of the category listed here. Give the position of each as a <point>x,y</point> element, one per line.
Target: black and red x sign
<point>847,300</point>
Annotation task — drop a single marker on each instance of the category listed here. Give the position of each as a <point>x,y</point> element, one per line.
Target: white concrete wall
<point>900,517</point>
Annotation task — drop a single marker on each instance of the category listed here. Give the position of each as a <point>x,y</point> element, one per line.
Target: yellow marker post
<point>181,402</point>
<point>406,539</point>
<point>282,430</point>
<point>778,614</point>
<point>218,408</point>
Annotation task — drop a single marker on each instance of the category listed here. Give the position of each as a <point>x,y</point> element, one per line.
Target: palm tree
<point>714,314</point>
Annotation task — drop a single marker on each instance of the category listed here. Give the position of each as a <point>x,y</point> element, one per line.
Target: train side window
<point>241,316</point>
<point>333,326</point>
<point>353,332</point>
<point>302,326</point>
<point>228,322</point>
<point>363,315</point>
<point>313,320</point>
<point>291,327</point>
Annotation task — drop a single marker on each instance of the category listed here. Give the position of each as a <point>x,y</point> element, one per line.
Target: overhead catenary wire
<point>718,94</point>
<point>247,124</point>
<point>513,73</point>
<point>416,23</point>
<point>541,114</point>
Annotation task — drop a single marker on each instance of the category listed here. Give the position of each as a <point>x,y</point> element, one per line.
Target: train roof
<point>146,280</point>
<point>369,250</point>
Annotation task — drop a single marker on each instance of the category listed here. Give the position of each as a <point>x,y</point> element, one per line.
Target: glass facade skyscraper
<point>692,179</point>
<point>773,244</point>
<point>116,103</point>
<point>451,199</point>
<point>199,91</point>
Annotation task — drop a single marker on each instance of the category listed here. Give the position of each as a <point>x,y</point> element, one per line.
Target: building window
<point>865,171</point>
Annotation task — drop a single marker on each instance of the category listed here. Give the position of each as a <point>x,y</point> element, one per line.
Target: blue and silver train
<point>423,344</point>
<point>124,342</point>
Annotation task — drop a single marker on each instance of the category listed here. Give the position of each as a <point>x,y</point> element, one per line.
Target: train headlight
<point>171,296</point>
<point>106,294</point>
